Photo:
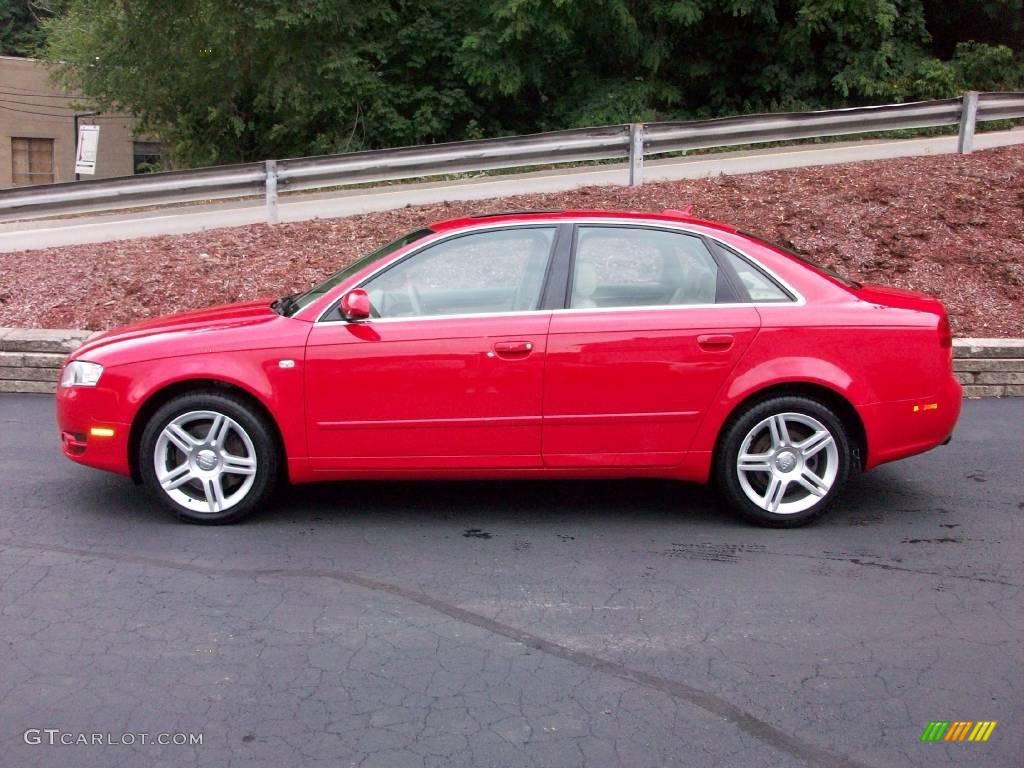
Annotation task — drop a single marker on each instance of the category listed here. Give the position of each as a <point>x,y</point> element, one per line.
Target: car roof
<point>673,215</point>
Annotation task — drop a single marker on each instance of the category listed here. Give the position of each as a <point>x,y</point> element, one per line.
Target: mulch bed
<point>950,225</point>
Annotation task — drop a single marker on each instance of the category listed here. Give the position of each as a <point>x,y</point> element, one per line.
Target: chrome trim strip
<point>575,420</point>
<point>375,320</point>
<point>799,301</point>
<point>448,423</point>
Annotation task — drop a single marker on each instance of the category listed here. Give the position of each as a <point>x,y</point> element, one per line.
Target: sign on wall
<point>88,143</point>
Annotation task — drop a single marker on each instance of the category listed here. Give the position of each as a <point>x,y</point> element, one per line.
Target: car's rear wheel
<point>209,457</point>
<point>783,462</point>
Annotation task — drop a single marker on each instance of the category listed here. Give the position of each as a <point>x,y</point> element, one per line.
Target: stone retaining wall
<point>30,361</point>
<point>30,358</point>
<point>990,367</point>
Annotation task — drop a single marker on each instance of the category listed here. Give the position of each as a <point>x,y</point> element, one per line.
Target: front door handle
<point>715,342</point>
<point>513,348</point>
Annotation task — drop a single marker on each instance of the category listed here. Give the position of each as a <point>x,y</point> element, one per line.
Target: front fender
<point>258,373</point>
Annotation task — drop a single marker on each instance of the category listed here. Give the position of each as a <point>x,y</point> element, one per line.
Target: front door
<point>650,335</point>
<point>448,371</point>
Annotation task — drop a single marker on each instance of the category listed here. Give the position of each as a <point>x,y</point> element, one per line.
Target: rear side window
<point>637,267</point>
<point>758,285</point>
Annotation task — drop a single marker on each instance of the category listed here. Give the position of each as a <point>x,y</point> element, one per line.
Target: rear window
<point>756,283</point>
<point>827,271</point>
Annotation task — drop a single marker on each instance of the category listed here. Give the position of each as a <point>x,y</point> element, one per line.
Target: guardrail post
<point>272,192</point>
<point>968,117</point>
<point>636,154</point>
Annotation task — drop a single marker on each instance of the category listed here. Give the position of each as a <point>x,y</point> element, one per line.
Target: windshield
<point>289,305</point>
<point>804,260</point>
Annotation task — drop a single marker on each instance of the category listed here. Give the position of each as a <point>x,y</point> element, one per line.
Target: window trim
<point>739,285</point>
<point>552,254</point>
<point>562,254</point>
<point>712,245</point>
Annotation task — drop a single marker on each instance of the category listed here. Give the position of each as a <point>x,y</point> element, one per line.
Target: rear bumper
<point>904,428</point>
<point>85,436</point>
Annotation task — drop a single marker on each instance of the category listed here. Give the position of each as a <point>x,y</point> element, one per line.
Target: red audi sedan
<point>572,344</point>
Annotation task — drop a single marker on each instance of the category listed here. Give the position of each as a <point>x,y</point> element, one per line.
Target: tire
<point>797,460</point>
<point>209,457</point>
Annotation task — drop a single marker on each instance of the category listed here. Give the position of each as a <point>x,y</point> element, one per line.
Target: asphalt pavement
<point>512,624</point>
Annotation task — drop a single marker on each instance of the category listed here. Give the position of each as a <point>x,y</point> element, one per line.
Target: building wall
<point>26,91</point>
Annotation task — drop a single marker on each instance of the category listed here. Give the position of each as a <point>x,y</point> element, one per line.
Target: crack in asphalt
<point>891,567</point>
<point>709,702</point>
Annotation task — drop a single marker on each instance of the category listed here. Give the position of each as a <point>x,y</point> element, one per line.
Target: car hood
<point>206,330</point>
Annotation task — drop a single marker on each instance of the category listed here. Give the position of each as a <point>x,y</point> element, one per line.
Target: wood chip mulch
<point>949,225</point>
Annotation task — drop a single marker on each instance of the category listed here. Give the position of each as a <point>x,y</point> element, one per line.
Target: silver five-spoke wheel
<point>205,461</point>
<point>787,462</point>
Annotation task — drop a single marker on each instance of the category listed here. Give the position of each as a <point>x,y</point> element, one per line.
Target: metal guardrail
<point>786,126</point>
<point>1000,106</point>
<point>132,191</point>
<point>585,144</point>
<point>575,145</point>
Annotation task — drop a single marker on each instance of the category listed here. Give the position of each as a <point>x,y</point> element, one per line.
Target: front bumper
<point>86,436</point>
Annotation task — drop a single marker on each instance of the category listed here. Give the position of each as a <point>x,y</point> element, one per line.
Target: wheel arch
<point>154,400</point>
<point>826,395</point>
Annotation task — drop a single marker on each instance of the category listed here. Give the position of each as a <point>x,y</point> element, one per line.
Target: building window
<point>146,155</point>
<point>32,161</point>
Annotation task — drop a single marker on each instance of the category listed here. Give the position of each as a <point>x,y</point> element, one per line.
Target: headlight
<point>79,373</point>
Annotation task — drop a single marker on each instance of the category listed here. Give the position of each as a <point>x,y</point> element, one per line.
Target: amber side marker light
<point>108,432</point>
<point>926,407</point>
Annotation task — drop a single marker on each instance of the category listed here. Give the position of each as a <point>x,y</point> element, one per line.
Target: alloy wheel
<point>787,463</point>
<point>205,461</point>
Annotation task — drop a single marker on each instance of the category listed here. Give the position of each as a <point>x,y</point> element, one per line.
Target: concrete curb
<point>30,361</point>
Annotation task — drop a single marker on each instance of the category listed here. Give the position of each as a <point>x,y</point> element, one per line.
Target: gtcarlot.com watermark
<point>55,737</point>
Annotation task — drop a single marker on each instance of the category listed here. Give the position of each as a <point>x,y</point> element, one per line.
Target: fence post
<point>272,192</point>
<point>968,117</point>
<point>636,154</point>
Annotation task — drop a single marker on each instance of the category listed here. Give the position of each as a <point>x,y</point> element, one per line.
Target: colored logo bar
<point>959,730</point>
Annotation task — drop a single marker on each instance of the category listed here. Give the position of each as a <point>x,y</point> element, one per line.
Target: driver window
<point>495,271</point>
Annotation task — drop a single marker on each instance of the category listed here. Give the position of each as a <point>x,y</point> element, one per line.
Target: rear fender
<point>775,374</point>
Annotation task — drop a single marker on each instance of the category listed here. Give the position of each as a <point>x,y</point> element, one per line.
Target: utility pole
<point>74,141</point>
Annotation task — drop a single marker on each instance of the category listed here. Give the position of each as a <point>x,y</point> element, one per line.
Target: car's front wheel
<point>209,457</point>
<point>782,462</point>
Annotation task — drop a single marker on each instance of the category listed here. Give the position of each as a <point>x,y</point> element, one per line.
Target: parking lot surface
<point>514,624</point>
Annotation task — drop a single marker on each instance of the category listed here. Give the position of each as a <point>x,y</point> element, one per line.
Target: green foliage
<point>20,31</point>
<point>987,67</point>
<point>221,81</point>
<point>224,81</point>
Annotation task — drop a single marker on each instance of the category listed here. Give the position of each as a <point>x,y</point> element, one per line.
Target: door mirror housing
<point>355,305</point>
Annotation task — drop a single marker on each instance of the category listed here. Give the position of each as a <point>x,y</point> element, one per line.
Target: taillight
<point>945,332</point>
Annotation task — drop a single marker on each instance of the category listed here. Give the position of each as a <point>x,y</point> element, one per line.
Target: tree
<point>21,32</point>
<point>222,81</point>
<point>227,81</point>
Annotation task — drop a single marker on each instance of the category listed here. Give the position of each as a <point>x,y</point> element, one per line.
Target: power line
<point>32,112</point>
<point>66,116</point>
<point>23,90</point>
<point>33,104</point>
<point>34,94</point>
<point>65,121</point>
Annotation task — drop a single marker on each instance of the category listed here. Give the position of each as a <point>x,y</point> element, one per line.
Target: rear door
<point>651,330</point>
<point>448,373</point>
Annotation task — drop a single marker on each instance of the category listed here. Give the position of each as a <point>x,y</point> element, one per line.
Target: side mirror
<point>355,305</point>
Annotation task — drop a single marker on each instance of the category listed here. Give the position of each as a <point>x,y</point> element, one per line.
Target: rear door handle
<point>513,348</point>
<point>715,342</point>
